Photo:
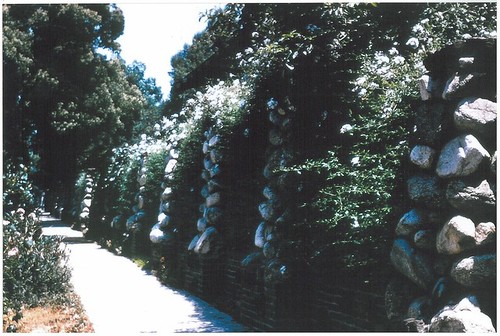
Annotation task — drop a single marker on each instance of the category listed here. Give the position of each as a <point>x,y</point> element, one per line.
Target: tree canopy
<point>70,103</point>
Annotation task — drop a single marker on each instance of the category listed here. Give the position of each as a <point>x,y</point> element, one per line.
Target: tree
<point>70,103</point>
<point>152,112</point>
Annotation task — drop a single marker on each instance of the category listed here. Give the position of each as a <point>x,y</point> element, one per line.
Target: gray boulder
<point>410,223</point>
<point>203,245</point>
<point>476,115</point>
<point>205,147</point>
<point>193,242</point>
<point>425,239</point>
<point>252,259</point>
<point>142,180</point>
<point>260,238</point>
<point>466,63</point>
<point>213,215</point>
<point>86,203</point>
<point>169,168</point>
<point>414,265</point>
<point>476,271</point>
<point>485,233</point>
<point>426,190</point>
<point>422,156</point>
<point>213,199</point>
<point>214,141</point>
<point>167,194</point>
<point>156,235</point>
<point>164,220</point>
<point>201,224</point>
<point>456,236</point>
<point>269,249</point>
<point>464,85</point>
<point>461,157</point>
<point>466,316</point>
<point>207,163</point>
<point>269,192</point>
<point>204,191</point>
<point>216,155</point>
<point>269,210</point>
<point>424,87</point>
<point>418,307</point>
<point>471,198</point>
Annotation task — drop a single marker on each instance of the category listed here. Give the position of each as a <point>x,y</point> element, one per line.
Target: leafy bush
<point>155,170</point>
<point>17,188</point>
<point>35,269</point>
<point>34,266</point>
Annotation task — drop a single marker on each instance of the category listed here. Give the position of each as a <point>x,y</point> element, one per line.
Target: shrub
<point>34,266</point>
<point>35,269</point>
<point>17,188</point>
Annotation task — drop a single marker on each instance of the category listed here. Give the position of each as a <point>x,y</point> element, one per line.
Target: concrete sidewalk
<point>121,298</point>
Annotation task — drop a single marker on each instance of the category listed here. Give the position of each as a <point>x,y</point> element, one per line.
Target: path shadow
<point>77,240</point>
<point>54,223</point>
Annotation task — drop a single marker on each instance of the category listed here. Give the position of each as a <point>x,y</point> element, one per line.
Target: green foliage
<point>357,64</point>
<point>151,113</point>
<point>155,170</point>
<point>35,271</point>
<point>121,180</point>
<point>190,57</point>
<point>362,198</point>
<point>17,188</point>
<point>34,266</point>
<point>67,101</point>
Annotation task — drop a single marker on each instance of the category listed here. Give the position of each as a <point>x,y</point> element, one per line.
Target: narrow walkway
<point>121,298</point>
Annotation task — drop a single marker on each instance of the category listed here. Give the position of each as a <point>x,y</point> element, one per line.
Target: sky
<point>154,32</point>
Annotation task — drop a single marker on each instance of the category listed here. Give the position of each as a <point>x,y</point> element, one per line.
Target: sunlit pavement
<point>120,298</point>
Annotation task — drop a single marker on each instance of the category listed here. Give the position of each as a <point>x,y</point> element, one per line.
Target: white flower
<point>381,57</point>
<point>362,92</point>
<point>417,28</point>
<point>360,80</point>
<point>399,59</point>
<point>413,42</point>
<point>355,223</point>
<point>355,161</point>
<point>393,51</point>
<point>345,128</point>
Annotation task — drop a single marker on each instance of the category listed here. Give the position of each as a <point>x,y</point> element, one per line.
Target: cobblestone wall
<point>444,250</point>
<point>445,245</point>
